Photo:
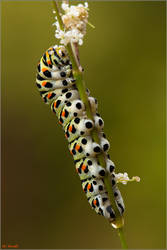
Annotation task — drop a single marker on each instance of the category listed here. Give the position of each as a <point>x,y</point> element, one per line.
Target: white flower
<point>57,25</point>
<point>123,178</point>
<point>69,36</point>
<point>65,6</point>
<point>60,34</point>
<point>81,5</point>
<point>75,20</point>
<point>86,5</point>
<point>73,11</point>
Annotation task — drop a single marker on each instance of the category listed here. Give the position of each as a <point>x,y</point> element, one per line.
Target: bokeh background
<point>43,205</point>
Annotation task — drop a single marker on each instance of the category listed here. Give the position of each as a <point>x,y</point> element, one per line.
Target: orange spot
<point>77,147</point>
<point>63,113</point>
<point>49,62</point>
<point>71,152</point>
<point>49,95</point>
<point>70,128</point>
<point>89,186</point>
<point>47,54</point>
<point>44,69</point>
<point>55,104</point>
<point>44,83</point>
<point>66,136</point>
<point>95,202</point>
<point>83,167</point>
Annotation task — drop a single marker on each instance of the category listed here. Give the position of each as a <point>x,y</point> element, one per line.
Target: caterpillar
<point>57,88</point>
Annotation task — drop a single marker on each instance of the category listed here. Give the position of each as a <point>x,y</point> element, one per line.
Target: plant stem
<point>78,76</point>
<point>56,8</point>
<point>122,238</point>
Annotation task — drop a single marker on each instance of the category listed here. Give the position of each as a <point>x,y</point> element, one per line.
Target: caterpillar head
<point>60,52</point>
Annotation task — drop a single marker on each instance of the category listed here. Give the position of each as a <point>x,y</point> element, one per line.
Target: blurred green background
<point>43,205</point>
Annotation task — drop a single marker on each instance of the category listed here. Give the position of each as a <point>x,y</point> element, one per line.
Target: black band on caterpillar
<point>57,87</point>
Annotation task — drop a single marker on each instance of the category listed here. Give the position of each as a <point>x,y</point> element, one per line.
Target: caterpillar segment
<point>76,108</point>
<point>117,195</point>
<point>104,143</point>
<point>99,123</point>
<point>77,127</point>
<point>93,187</point>
<point>60,103</point>
<point>101,204</point>
<point>88,167</point>
<point>57,88</point>
<point>50,96</point>
<point>48,73</point>
<point>110,166</point>
<point>45,84</point>
<point>84,147</point>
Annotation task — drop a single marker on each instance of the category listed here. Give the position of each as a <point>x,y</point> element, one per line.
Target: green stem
<point>56,8</point>
<point>122,238</point>
<point>78,75</point>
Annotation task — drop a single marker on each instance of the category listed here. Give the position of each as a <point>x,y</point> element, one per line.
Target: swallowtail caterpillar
<point>57,88</point>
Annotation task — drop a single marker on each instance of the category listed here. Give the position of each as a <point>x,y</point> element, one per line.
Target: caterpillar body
<point>57,87</point>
